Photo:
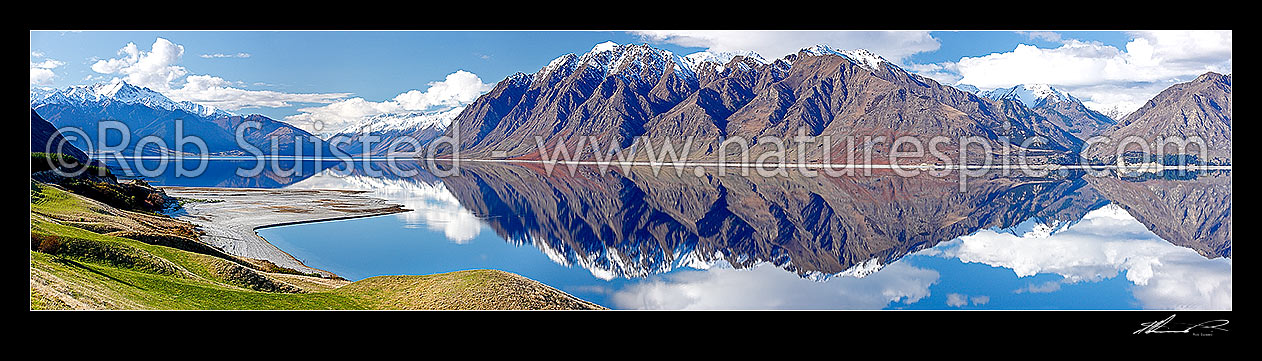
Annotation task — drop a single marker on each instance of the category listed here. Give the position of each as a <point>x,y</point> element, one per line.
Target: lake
<point>633,239</point>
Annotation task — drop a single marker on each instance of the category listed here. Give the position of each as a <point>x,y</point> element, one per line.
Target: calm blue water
<point>637,241</point>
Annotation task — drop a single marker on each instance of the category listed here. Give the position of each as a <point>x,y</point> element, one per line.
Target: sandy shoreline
<point>231,217</point>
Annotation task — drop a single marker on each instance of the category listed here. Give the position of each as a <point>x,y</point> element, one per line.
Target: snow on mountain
<point>404,122</point>
<point>1032,95</point>
<point>118,90</point>
<point>639,60</point>
<point>605,46</point>
<point>968,88</point>
<point>860,56</point>
<point>609,58</point>
<point>719,58</point>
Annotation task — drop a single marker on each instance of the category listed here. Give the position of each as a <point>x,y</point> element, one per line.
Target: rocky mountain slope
<point>1199,108</point>
<point>615,93</point>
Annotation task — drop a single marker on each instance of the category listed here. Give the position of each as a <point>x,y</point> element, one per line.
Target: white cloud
<point>155,69</point>
<point>158,69</point>
<point>1103,75</point>
<point>457,89</point>
<point>980,300</point>
<point>892,45</point>
<point>1046,287</point>
<point>767,287</point>
<point>221,56</point>
<point>41,76</point>
<point>217,92</point>
<point>47,64</point>
<point>1106,243</point>
<point>961,300</point>
<point>945,73</point>
<point>42,72</point>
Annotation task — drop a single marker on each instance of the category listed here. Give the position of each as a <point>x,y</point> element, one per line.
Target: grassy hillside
<point>88,255</point>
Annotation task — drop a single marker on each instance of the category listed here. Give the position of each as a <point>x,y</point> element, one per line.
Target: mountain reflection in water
<point>634,223</point>
<point>865,242</point>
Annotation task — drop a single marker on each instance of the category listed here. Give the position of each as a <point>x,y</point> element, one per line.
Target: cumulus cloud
<point>41,76</point>
<point>767,287</point>
<point>1106,243</point>
<point>158,69</point>
<point>456,90</point>
<point>42,72</point>
<point>154,69</point>
<point>1103,75</point>
<point>892,45</point>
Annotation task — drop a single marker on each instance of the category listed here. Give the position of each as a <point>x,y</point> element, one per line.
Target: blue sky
<point>280,73</point>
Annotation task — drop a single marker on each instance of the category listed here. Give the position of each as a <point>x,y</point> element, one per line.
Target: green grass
<point>114,287</point>
<point>76,268</point>
<point>46,161</point>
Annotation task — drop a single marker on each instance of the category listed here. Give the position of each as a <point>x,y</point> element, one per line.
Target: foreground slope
<point>145,261</point>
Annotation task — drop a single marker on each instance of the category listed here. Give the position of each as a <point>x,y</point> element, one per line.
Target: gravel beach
<point>231,216</point>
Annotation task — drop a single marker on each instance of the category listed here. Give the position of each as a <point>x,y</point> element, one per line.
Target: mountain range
<point>1059,107</point>
<point>630,97</point>
<point>145,113</point>
<point>616,93</point>
<point>1198,108</point>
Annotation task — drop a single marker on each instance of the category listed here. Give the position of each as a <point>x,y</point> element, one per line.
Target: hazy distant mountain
<point>616,93</point>
<point>393,132</point>
<point>148,113</point>
<point>1200,108</point>
<point>1059,107</point>
<point>119,91</point>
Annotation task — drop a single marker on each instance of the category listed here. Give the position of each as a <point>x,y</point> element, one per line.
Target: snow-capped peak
<point>609,58</point>
<point>859,56</point>
<point>721,57</point>
<point>865,57</point>
<point>1032,95</point>
<point>605,46</point>
<point>820,49</point>
<point>410,121</point>
<point>118,90</point>
<point>694,61</point>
